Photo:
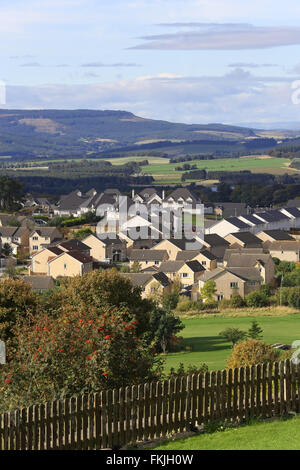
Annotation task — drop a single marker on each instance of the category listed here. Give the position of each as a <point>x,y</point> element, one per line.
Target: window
<point>65,266</point>
<point>156,262</point>
<point>203,263</point>
<point>35,247</point>
<point>185,275</point>
<point>234,285</point>
<point>220,297</point>
<point>35,238</point>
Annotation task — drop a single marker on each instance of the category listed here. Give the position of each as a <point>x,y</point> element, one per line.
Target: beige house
<point>285,250</point>
<point>207,259</point>
<point>175,246</point>
<point>152,284</point>
<point>263,263</point>
<point>69,264</point>
<point>274,236</point>
<point>39,260</point>
<point>244,240</point>
<point>148,258</point>
<point>232,281</point>
<point>188,272</point>
<point>43,236</point>
<point>113,249</point>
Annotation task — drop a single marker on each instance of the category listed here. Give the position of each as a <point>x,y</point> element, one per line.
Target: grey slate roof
<point>247,238</point>
<point>148,255</point>
<point>237,222</point>
<point>276,234</point>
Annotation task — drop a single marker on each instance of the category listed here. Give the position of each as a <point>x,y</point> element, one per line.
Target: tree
<point>7,249</point>
<point>17,300</point>
<point>251,352</point>
<point>163,325</point>
<point>10,193</point>
<point>82,233</point>
<point>254,332</point>
<point>75,353</point>
<point>233,335</point>
<point>10,270</point>
<point>208,291</point>
<point>256,299</point>
<point>136,267</point>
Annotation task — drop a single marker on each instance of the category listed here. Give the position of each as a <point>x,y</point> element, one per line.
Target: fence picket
<point>114,418</point>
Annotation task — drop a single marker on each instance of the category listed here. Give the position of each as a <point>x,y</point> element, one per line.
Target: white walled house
<point>226,226</point>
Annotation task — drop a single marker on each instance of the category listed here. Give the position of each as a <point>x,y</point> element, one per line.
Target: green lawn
<point>208,347</point>
<point>275,435</point>
<point>220,164</point>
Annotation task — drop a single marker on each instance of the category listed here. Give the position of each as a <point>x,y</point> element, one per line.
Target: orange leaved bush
<point>251,352</point>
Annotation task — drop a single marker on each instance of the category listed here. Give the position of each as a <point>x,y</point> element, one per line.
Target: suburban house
<point>147,196</point>
<point>274,236</point>
<point>42,237</point>
<point>262,262</point>
<point>152,283</point>
<point>173,246</point>
<point>294,214</point>
<point>180,198</point>
<point>230,209</point>
<point>285,250</point>
<point>232,281</point>
<point>113,249</point>
<point>226,226</point>
<point>16,237</point>
<point>148,258</point>
<point>187,271</point>
<point>256,224</point>
<point>244,240</point>
<point>69,264</point>
<point>39,260</point>
<point>216,245</point>
<point>274,220</point>
<point>74,244</point>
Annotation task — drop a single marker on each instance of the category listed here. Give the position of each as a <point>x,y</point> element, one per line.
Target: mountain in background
<point>31,134</point>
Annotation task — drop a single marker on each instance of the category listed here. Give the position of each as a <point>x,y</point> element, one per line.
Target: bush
<point>186,305</point>
<point>256,299</point>
<point>294,298</point>
<point>237,301</point>
<point>251,352</point>
<point>233,335</point>
<point>181,371</point>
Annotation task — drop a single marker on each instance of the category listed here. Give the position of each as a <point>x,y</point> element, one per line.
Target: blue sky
<point>189,61</point>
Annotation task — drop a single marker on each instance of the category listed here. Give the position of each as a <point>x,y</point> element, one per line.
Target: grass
<point>273,435</point>
<point>220,164</point>
<point>202,334</point>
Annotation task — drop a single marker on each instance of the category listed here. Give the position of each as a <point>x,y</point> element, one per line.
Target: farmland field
<point>202,334</point>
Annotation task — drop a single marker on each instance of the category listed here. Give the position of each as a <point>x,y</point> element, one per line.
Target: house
<point>16,237</point>
<point>274,236</point>
<point>151,283</point>
<point>226,226</point>
<point>207,259</point>
<point>285,250</point>
<point>148,258</point>
<point>181,198</point>
<point>294,214</point>
<point>113,249</point>
<point>216,245</point>
<point>230,209</point>
<point>260,261</point>
<point>244,240</point>
<point>187,271</point>
<point>173,246</point>
<point>74,245</point>
<point>69,264</point>
<point>42,237</point>
<point>147,196</point>
<point>39,260</point>
<point>274,220</point>
<point>232,281</point>
<point>256,224</point>
<point>39,283</point>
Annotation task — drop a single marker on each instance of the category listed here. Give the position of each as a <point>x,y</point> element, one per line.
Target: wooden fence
<point>141,412</point>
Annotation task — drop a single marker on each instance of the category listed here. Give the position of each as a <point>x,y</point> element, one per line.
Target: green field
<point>273,435</point>
<point>202,334</point>
<point>220,164</point>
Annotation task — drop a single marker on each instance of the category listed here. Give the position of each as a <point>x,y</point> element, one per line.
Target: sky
<point>193,61</point>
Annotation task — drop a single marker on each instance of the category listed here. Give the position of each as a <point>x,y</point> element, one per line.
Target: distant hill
<point>51,134</point>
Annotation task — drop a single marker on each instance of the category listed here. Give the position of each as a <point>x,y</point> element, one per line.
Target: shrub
<point>256,299</point>
<point>294,298</point>
<point>181,371</point>
<point>233,335</point>
<point>237,301</point>
<point>251,352</point>
<point>254,331</point>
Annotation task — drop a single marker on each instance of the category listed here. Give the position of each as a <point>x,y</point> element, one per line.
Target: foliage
<point>237,301</point>
<point>17,300</point>
<point>294,298</point>
<point>208,291</point>
<point>136,267</point>
<point>256,299</point>
<point>10,193</point>
<point>233,335</point>
<point>182,372</point>
<point>77,352</point>
<point>82,233</point>
<point>162,327</point>
<point>250,352</point>
<point>254,332</point>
